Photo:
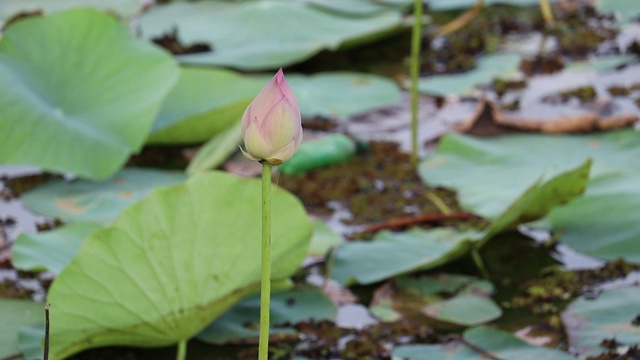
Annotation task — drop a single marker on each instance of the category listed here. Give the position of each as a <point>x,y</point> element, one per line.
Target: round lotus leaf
<point>172,263</point>
<point>258,35</point>
<point>78,92</point>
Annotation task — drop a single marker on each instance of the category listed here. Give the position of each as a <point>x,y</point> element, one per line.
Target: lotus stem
<point>477,259</point>
<point>265,290</point>
<point>438,202</point>
<point>182,350</point>
<point>416,39</point>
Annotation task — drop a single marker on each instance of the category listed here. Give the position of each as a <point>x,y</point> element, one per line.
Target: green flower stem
<point>477,259</point>
<point>415,73</point>
<point>182,350</point>
<point>265,290</point>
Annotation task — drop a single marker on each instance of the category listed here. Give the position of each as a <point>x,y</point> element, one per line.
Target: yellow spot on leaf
<point>69,205</point>
<point>125,195</point>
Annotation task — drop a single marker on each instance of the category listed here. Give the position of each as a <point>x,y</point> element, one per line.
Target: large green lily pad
<point>99,202</point>
<point>489,67</point>
<point>498,343</point>
<point>50,250</point>
<point>506,166</point>
<point>601,223</point>
<point>85,113</point>
<point>390,254</point>
<point>540,199</point>
<point>342,94</point>
<point>287,309</point>
<point>232,28</point>
<point>323,240</point>
<point>172,263</point>
<point>203,103</point>
<point>610,316</point>
<point>10,8</point>
<point>16,314</point>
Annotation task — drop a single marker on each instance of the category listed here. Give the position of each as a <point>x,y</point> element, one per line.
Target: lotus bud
<point>271,126</point>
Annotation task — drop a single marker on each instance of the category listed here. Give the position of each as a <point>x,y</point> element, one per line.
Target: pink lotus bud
<point>271,125</point>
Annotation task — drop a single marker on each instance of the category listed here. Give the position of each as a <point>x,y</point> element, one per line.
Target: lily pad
<point>123,8</point>
<point>626,10</point>
<point>489,67</point>
<point>31,341</point>
<point>500,344</point>
<point>203,103</point>
<point>324,239</point>
<point>231,30</point>
<point>468,310</point>
<point>601,63</point>
<point>390,254</point>
<point>83,114</point>
<point>504,166</point>
<point>99,202</point>
<point>610,316</point>
<point>50,250</point>
<point>603,224</point>
<point>172,263</point>
<point>456,299</point>
<point>342,94</point>
<point>540,199</point>
<point>287,309</point>
<point>16,314</point>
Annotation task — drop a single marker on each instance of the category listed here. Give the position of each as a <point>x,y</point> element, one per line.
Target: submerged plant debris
<point>378,183</point>
<point>557,286</point>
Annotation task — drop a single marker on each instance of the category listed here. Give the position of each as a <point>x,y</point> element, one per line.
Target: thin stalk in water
<point>416,39</point>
